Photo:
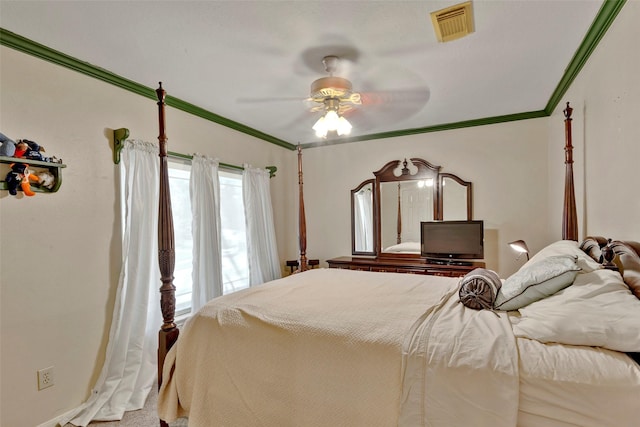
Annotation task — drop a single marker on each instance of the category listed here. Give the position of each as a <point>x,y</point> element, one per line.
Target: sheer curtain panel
<point>261,236</point>
<point>129,370</point>
<point>204,189</point>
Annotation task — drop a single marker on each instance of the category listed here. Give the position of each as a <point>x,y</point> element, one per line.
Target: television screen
<point>452,239</point>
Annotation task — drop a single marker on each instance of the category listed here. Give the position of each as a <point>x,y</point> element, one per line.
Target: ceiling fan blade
<point>418,96</point>
<point>384,109</point>
<point>270,99</point>
<point>360,120</point>
<point>311,58</point>
<point>406,49</point>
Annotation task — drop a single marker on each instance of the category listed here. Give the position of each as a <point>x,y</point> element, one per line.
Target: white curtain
<point>129,370</point>
<point>363,221</point>
<point>261,235</point>
<point>204,189</point>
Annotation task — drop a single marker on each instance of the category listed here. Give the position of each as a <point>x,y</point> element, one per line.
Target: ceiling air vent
<point>453,22</point>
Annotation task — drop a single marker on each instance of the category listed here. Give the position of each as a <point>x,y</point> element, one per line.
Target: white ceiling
<point>252,62</point>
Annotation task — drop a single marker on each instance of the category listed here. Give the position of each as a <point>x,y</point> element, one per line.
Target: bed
<point>332,347</point>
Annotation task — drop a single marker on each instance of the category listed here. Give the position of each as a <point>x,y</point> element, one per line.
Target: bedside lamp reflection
<point>521,247</point>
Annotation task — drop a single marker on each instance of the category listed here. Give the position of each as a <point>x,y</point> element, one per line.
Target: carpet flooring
<point>145,417</point>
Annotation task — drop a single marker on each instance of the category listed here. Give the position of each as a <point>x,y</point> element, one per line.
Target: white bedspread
<point>577,386</point>
<point>333,347</point>
<point>461,369</point>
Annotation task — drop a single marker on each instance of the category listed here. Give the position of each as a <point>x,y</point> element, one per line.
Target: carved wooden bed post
<point>302,223</point>
<point>399,219</point>
<point>569,216</point>
<point>168,333</point>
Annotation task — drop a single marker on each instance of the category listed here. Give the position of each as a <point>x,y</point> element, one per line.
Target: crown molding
<point>22,44</point>
<point>603,20</point>
<point>436,128</point>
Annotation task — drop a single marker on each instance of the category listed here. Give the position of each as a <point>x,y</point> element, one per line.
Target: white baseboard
<point>55,422</point>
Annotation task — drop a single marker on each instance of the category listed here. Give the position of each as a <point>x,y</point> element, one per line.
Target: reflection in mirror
<point>456,198</point>
<point>403,206</point>
<point>362,217</point>
<point>386,212</point>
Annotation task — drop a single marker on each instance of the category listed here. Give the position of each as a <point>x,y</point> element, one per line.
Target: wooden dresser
<point>409,265</point>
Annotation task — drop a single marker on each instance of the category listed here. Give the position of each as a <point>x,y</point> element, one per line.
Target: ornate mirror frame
<point>400,171</point>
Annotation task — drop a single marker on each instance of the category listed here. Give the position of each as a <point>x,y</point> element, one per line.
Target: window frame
<point>177,163</point>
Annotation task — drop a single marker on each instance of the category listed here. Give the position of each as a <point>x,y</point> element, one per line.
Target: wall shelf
<point>35,166</point>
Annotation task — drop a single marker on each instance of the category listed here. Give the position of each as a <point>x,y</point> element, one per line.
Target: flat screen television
<point>452,240</point>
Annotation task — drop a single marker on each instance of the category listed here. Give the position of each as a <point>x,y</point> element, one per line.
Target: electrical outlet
<point>45,378</point>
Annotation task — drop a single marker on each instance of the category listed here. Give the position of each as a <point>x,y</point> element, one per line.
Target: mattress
<point>333,347</point>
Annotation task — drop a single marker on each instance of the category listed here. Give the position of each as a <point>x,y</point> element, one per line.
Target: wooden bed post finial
<point>567,111</point>
<point>569,215</point>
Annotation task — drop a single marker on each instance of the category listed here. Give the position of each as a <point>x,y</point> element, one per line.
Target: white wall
<point>507,164</point>
<point>60,252</point>
<point>607,97</point>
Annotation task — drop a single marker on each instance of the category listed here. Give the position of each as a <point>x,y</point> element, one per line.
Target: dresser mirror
<point>362,218</point>
<point>386,211</point>
<point>456,198</point>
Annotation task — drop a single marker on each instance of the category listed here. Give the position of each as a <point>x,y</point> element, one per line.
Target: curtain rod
<point>120,135</point>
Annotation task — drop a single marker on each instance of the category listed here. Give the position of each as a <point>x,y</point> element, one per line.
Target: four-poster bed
<point>329,347</point>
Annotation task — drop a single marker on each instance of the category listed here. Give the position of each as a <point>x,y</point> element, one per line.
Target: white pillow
<point>567,247</point>
<point>404,247</point>
<point>598,310</point>
<point>536,280</point>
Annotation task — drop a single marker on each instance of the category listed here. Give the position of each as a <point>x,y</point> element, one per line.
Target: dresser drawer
<point>441,273</point>
<point>408,270</point>
<point>384,269</point>
<point>406,266</point>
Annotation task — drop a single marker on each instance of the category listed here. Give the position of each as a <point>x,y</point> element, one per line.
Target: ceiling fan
<point>365,109</point>
<point>344,108</point>
<point>335,96</point>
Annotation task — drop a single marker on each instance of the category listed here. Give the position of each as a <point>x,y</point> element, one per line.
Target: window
<point>235,264</point>
<point>181,209</point>
<point>235,261</point>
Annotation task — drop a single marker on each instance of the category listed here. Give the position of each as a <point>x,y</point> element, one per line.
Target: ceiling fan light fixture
<point>337,96</point>
<point>320,128</point>
<point>344,127</point>
<point>331,121</point>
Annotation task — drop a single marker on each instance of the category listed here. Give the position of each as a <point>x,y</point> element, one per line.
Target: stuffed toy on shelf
<point>7,146</point>
<point>31,150</point>
<point>24,149</point>
<point>22,176</point>
<point>47,180</point>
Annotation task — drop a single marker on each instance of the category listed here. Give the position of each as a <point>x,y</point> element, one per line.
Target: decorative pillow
<point>479,288</point>
<point>591,246</point>
<point>629,263</point>
<point>598,310</point>
<point>535,281</point>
